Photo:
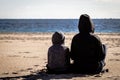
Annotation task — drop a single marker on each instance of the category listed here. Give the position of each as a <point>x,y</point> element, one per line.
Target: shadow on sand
<point>42,75</point>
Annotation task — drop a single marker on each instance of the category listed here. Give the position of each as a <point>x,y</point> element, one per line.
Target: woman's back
<point>87,53</point>
<point>85,48</point>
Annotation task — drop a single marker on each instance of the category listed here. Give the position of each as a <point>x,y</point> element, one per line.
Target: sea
<point>52,25</point>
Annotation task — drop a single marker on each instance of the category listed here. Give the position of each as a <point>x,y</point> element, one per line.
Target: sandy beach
<point>24,56</point>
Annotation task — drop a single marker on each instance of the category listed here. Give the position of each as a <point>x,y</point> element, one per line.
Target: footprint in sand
<point>13,56</point>
<point>113,78</point>
<point>116,54</point>
<point>36,65</point>
<point>31,57</point>
<point>22,70</point>
<point>29,68</point>
<point>32,72</point>
<point>114,59</point>
<point>8,41</point>
<point>14,73</point>
<point>24,52</point>
<point>5,73</point>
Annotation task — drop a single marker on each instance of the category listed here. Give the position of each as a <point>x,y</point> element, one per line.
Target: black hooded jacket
<point>86,48</point>
<point>87,53</point>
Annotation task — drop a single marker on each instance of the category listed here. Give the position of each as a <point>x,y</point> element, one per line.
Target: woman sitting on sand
<point>58,55</point>
<point>87,51</point>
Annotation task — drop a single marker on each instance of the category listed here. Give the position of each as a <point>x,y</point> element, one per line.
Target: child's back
<point>58,54</point>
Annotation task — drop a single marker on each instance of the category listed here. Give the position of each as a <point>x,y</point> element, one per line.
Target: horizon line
<point>57,18</point>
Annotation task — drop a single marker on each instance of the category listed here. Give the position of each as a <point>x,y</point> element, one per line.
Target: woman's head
<point>58,38</point>
<point>85,24</point>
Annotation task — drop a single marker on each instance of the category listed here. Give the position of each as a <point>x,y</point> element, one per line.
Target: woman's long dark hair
<point>85,24</point>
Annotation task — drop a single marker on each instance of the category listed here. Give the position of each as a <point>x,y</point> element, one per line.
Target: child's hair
<point>58,38</point>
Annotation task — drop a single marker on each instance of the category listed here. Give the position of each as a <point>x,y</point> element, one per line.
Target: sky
<point>59,8</point>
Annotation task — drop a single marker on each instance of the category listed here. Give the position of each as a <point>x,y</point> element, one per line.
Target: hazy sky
<point>59,8</point>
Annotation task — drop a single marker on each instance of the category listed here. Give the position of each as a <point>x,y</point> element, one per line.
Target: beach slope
<point>24,55</point>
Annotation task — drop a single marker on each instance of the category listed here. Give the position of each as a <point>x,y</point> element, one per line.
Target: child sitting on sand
<point>58,55</point>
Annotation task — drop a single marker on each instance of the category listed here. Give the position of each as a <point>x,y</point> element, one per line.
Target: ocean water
<point>52,25</point>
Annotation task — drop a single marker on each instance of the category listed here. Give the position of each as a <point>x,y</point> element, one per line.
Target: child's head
<point>58,38</point>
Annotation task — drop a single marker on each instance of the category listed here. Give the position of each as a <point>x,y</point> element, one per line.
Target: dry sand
<point>24,55</point>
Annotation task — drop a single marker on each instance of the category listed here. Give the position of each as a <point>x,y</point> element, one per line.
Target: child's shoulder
<point>65,47</point>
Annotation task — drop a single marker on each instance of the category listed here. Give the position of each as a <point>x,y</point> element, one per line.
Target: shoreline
<point>53,32</point>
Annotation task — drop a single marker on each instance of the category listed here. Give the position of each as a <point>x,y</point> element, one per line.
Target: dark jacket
<point>58,54</point>
<point>87,52</point>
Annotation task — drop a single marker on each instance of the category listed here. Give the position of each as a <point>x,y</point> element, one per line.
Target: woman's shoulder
<point>95,36</point>
<point>76,36</point>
